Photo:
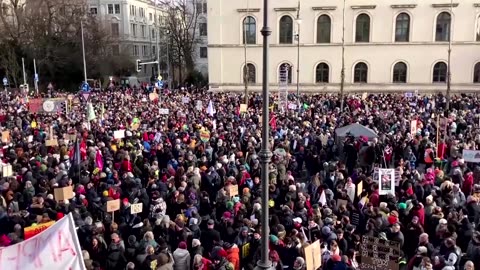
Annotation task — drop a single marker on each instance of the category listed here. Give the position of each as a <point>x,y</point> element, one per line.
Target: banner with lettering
<point>55,248</point>
<point>377,253</point>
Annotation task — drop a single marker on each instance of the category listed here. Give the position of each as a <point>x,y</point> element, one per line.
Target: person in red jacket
<point>374,198</point>
<point>418,211</point>
<point>201,263</point>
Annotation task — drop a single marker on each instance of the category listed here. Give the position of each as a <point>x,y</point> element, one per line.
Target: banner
<point>55,248</point>
<point>47,105</point>
<point>376,253</point>
<point>31,231</point>
<point>471,155</point>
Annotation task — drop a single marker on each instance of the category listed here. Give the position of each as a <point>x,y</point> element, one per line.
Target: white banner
<point>471,156</point>
<point>55,248</point>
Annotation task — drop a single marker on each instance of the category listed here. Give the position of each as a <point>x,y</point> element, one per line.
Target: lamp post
<point>83,52</point>
<point>265,153</point>
<point>342,73</point>
<point>299,22</point>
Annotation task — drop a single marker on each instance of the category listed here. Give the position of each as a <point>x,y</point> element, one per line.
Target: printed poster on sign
<point>471,156</point>
<point>57,247</point>
<point>136,208</point>
<point>386,181</point>
<point>413,127</point>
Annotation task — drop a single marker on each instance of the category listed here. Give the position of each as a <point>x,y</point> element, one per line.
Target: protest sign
<point>386,181</point>
<point>359,188</point>
<point>243,108</point>
<point>55,248</point>
<point>113,205</point>
<point>313,256</point>
<point>341,202</point>
<point>6,136</point>
<point>185,100</point>
<point>153,96</point>
<point>471,155</point>
<point>31,231</point>
<point>233,190</point>
<point>376,253</point>
<point>204,136</point>
<point>62,194</point>
<point>119,134</point>
<point>163,111</point>
<point>7,170</point>
<point>136,208</point>
<point>413,127</point>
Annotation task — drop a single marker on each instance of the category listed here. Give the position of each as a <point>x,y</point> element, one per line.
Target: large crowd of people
<point>191,158</point>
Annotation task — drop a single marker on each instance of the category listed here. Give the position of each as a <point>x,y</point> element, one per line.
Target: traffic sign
<point>159,78</point>
<point>86,96</point>
<point>5,81</point>
<point>160,84</point>
<point>85,87</point>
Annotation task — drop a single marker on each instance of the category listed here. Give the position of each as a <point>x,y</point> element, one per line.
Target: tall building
<point>137,27</point>
<point>389,45</point>
<point>201,50</point>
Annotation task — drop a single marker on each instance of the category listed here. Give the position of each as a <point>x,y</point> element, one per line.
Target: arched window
<point>360,73</point>
<point>362,28</point>
<point>324,26</point>
<point>402,28</point>
<point>249,73</point>
<point>400,73</point>
<point>476,73</point>
<point>443,26</point>
<point>285,73</point>
<point>249,30</point>
<point>439,72</point>
<point>321,73</point>
<point>286,30</point>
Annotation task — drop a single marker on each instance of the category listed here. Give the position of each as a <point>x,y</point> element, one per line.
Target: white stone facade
<point>418,39</point>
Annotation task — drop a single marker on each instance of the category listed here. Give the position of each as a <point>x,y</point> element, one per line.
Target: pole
<point>168,61</point>
<point>265,153</point>
<point>247,71</point>
<point>298,56</point>
<point>83,51</point>
<point>24,74</point>
<point>449,74</point>
<point>342,73</point>
<point>35,78</point>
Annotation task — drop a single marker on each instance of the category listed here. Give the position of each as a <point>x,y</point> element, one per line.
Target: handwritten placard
<point>51,142</point>
<point>163,111</point>
<point>119,134</point>
<point>243,108</point>
<point>313,256</point>
<point>7,170</point>
<point>136,208</point>
<point>6,136</point>
<point>377,253</point>
<point>113,205</point>
<point>233,190</point>
<point>62,194</point>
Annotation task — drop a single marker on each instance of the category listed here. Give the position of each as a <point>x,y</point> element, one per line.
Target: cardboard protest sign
<point>377,253</point>
<point>62,194</point>
<point>119,134</point>
<point>313,256</point>
<point>113,205</point>
<point>233,190</point>
<point>153,96</point>
<point>57,247</point>
<point>243,108</point>
<point>359,188</point>
<point>204,136</point>
<point>341,202</point>
<point>136,208</point>
<point>163,111</point>
<point>31,231</point>
<point>6,136</point>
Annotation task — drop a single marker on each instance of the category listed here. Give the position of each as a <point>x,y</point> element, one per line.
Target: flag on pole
<point>210,109</point>
<point>99,160</point>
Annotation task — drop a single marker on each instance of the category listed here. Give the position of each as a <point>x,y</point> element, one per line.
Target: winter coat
<point>116,258</point>
<point>181,257</point>
<point>233,256</point>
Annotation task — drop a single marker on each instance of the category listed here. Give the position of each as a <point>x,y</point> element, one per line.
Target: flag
<point>91,112</point>
<point>210,109</point>
<point>99,160</point>
<point>273,122</point>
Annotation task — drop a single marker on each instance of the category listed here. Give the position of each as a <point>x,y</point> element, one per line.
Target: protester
<point>193,160</point>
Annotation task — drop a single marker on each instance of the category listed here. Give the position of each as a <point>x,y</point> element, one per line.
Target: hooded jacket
<point>233,256</point>
<point>181,257</point>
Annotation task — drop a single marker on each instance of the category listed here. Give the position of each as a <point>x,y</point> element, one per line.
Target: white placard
<point>185,100</point>
<point>119,134</point>
<point>136,208</point>
<point>471,155</point>
<point>386,181</point>
<point>163,111</point>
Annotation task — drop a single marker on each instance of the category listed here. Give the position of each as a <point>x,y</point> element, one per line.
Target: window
<point>117,8</point>
<point>135,50</point>
<point>321,73</point>
<point>154,50</point>
<point>249,30</point>
<point>204,7</point>
<point>402,28</point>
<point>152,35</point>
<point>400,73</point>
<point>478,29</point>
<point>203,52</point>
<point>249,73</point>
<point>439,72</point>
<point>143,28</point>
<point>110,8</point>
<point>141,12</point>
<point>133,11</point>
<point>360,73</point>
<point>286,30</point>
<point>285,73</point>
<point>134,30</point>
<point>476,73</point>
<point>201,8</point>
<point>362,28</point>
<point>203,29</point>
<point>115,29</point>
<point>93,11</point>
<point>150,16</point>
<point>442,30</point>
<point>115,49</point>
<point>324,25</point>
<point>144,50</point>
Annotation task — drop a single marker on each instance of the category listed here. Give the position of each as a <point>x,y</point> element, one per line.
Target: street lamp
<point>265,154</point>
<point>299,22</point>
